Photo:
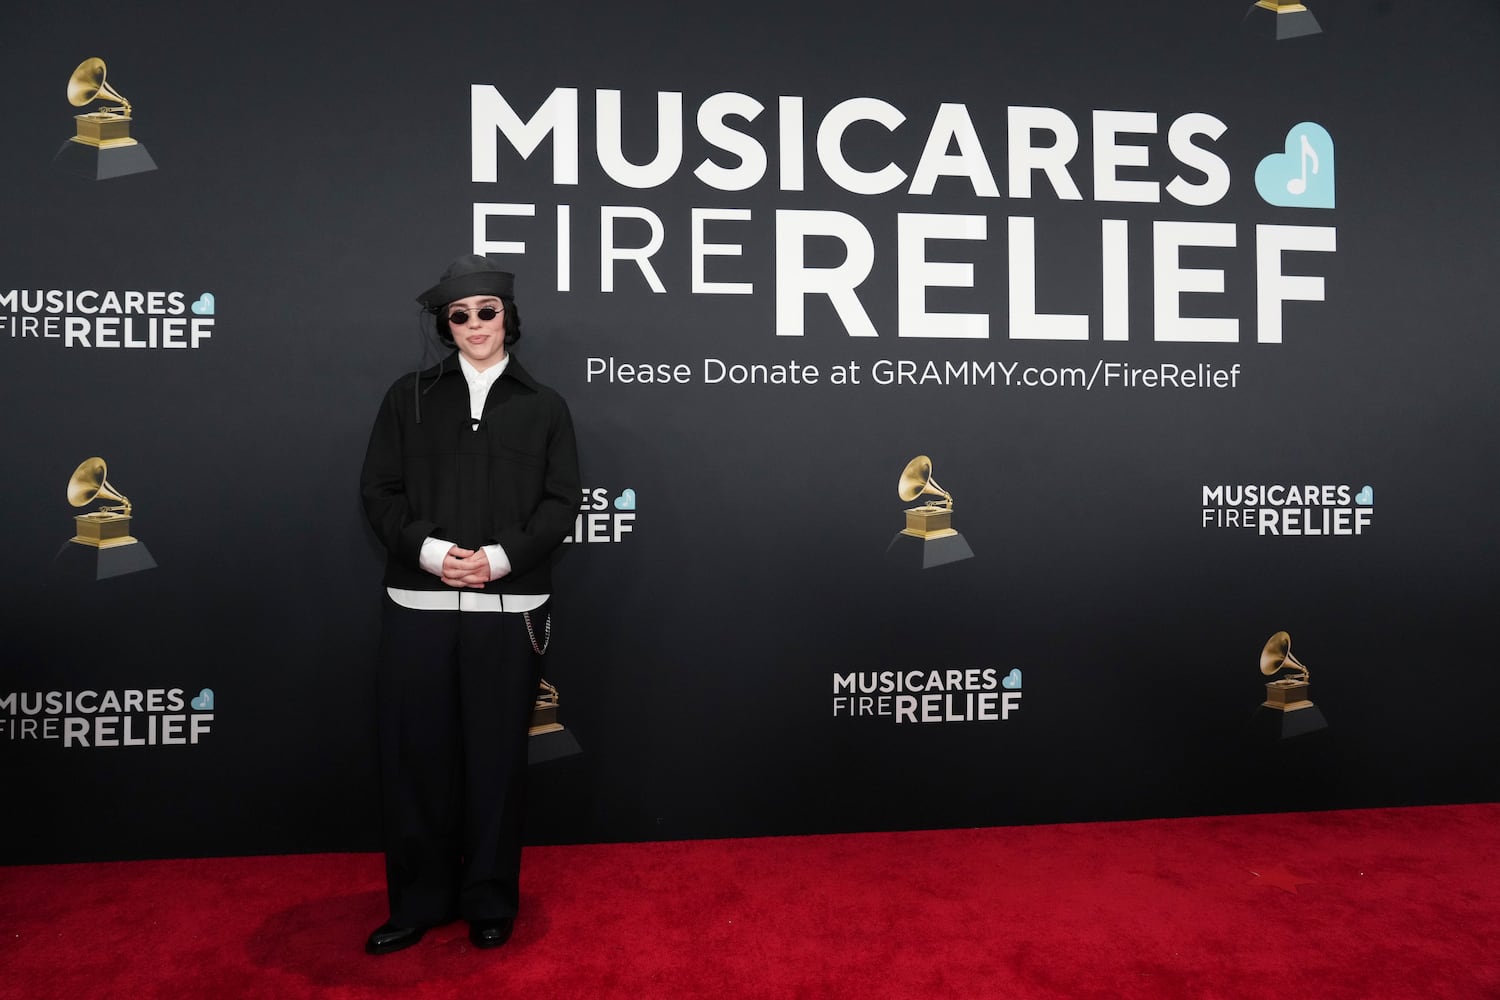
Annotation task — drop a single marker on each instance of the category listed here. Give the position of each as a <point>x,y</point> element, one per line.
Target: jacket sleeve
<point>556,510</point>
<point>382,488</point>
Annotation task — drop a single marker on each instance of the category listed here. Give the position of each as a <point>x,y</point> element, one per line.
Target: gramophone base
<point>1289,694</point>
<point>1275,724</point>
<point>102,164</point>
<point>79,563</point>
<point>1279,27</point>
<point>912,552</point>
<point>555,745</point>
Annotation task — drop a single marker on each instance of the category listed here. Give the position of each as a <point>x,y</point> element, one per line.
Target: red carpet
<point>1372,904</point>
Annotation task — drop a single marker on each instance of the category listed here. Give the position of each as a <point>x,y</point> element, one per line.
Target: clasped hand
<point>466,567</point>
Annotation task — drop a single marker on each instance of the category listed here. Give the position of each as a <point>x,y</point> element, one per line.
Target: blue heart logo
<point>1365,497</point>
<point>1012,680</point>
<point>205,701</point>
<point>1301,177</point>
<point>205,305</point>
<point>626,500</point>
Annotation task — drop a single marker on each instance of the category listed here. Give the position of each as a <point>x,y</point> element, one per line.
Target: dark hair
<point>512,322</point>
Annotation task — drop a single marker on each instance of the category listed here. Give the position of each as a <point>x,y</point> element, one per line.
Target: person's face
<point>481,341</point>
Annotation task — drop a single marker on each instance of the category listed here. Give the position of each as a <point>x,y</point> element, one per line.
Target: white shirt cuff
<point>431,556</point>
<point>499,561</point>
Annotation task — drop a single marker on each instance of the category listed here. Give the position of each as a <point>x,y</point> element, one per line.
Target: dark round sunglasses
<point>459,316</point>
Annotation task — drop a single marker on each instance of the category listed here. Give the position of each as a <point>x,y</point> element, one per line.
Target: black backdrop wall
<point>1181,402</point>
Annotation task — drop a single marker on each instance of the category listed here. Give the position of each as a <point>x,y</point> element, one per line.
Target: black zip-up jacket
<point>514,480</point>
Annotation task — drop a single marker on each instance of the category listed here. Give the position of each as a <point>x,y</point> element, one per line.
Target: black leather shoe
<point>388,938</point>
<point>491,933</point>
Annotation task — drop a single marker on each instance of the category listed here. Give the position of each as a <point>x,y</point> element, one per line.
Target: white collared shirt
<point>434,549</point>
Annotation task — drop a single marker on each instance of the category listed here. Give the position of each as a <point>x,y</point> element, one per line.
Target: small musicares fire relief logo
<point>973,695</point>
<point>108,719</point>
<point>107,319</point>
<point>1279,509</point>
<point>604,516</point>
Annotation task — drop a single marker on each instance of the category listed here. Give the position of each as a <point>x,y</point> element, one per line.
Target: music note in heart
<point>1298,185</point>
<point>1303,173</point>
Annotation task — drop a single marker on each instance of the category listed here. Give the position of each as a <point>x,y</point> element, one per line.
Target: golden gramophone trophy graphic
<point>929,538</point>
<point>102,545</point>
<point>544,712</point>
<point>103,147</point>
<point>1287,703</point>
<point>549,740</point>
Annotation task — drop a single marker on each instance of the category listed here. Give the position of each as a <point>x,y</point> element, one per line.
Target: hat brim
<point>500,284</point>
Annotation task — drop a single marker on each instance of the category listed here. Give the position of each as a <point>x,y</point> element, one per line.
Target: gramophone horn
<point>88,484</point>
<point>87,83</point>
<point>1277,654</point>
<point>916,479</point>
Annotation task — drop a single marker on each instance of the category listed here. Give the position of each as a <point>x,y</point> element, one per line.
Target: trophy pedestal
<point>1271,724</point>
<point>102,163</point>
<point>915,552</point>
<point>78,563</point>
<point>1287,711</point>
<point>551,745</point>
<point>1281,21</point>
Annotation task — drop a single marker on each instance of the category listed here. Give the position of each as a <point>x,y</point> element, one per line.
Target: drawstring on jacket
<point>418,392</point>
<point>416,388</point>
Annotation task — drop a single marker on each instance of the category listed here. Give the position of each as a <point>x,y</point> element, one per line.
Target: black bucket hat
<point>469,275</point>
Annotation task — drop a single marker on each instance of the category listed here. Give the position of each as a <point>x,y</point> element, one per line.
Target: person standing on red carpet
<point>471,483</point>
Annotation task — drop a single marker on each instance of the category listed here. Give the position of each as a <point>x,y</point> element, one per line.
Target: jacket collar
<point>449,366</point>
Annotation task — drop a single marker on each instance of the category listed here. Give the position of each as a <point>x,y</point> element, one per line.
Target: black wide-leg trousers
<point>456,690</point>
